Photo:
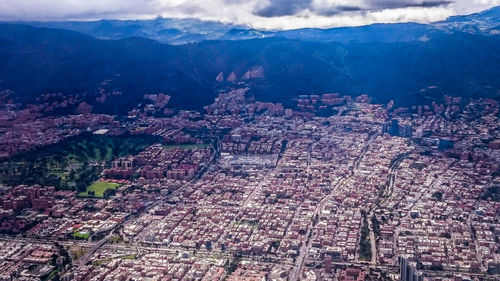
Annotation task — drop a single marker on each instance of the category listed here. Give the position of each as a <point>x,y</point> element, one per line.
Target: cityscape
<point>249,190</point>
<point>256,140</point>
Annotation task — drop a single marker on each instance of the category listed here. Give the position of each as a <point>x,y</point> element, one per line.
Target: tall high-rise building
<point>407,131</point>
<point>394,127</point>
<point>386,126</point>
<point>408,271</point>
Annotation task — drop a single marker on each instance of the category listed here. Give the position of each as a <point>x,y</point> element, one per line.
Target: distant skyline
<point>261,14</point>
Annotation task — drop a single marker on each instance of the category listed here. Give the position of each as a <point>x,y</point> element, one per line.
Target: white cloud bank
<point>262,14</point>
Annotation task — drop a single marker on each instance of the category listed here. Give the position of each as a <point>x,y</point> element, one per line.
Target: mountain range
<point>193,60</point>
<point>182,31</point>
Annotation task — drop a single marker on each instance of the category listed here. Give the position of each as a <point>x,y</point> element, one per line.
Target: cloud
<point>278,8</point>
<point>262,14</point>
<point>75,9</point>
<point>395,4</point>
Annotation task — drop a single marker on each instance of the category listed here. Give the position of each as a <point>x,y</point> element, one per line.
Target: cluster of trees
<point>28,173</point>
<point>365,250</point>
<point>232,265</point>
<point>72,163</point>
<point>492,193</point>
<point>86,176</point>
<point>109,192</point>
<point>376,226</point>
<point>438,195</point>
<point>66,259</point>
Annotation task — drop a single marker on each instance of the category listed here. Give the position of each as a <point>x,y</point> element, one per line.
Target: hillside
<point>34,61</point>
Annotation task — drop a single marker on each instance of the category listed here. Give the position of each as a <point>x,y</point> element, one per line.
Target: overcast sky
<point>262,14</point>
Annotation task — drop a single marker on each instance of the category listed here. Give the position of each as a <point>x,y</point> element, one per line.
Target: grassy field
<point>129,257</point>
<point>81,234</point>
<point>99,188</point>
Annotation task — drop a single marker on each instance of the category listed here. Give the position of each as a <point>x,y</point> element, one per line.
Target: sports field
<point>99,187</point>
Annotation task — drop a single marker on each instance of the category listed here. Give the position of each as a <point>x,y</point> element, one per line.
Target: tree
<point>438,195</point>
<point>109,192</point>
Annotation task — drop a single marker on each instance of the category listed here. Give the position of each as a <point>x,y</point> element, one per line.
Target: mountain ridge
<point>182,31</point>
<point>35,61</point>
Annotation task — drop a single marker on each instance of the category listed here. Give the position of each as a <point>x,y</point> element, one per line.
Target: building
<point>407,131</point>
<point>352,274</point>
<point>122,163</point>
<point>328,264</point>
<point>408,271</point>
<point>394,131</point>
<point>445,144</point>
<point>419,133</point>
<point>386,127</point>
